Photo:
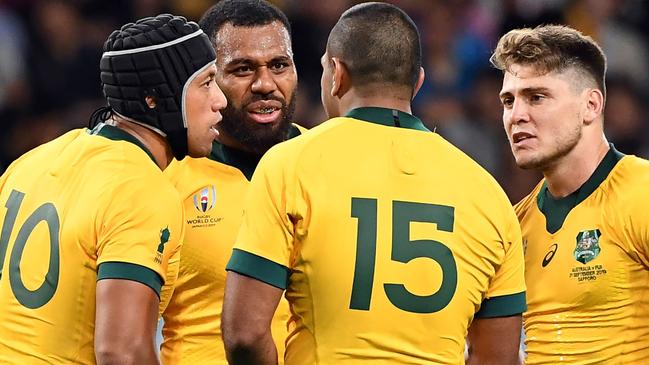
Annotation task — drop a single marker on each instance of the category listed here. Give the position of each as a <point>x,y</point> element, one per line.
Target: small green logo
<point>164,238</point>
<point>587,248</point>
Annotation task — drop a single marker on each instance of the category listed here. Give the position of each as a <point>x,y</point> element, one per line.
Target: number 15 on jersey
<point>403,250</point>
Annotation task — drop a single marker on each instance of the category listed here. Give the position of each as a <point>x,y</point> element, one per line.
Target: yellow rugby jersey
<point>213,190</point>
<point>387,240</point>
<point>587,268</point>
<point>81,208</point>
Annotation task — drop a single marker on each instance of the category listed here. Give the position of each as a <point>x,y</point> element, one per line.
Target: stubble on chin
<point>531,163</point>
<point>540,161</point>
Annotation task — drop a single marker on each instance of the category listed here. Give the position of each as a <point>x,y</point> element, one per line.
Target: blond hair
<point>552,48</point>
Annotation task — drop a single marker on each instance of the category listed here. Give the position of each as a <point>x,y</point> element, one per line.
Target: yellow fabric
<point>299,214</point>
<point>192,333</point>
<point>595,312</point>
<point>113,203</point>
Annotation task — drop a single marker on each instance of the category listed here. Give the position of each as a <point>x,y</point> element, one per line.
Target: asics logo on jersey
<point>548,256</point>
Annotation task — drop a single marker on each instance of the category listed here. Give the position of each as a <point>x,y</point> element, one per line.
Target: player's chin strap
<point>99,116</point>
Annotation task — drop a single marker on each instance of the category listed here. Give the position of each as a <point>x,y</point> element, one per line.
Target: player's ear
<point>150,102</point>
<point>594,105</point>
<point>420,81</point>
<point>341,79</point>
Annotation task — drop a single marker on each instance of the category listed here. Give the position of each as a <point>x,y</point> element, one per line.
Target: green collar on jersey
<point>556,210</point>
<point>389,117</point>
<point>116,134</point>
<point>243,161</point>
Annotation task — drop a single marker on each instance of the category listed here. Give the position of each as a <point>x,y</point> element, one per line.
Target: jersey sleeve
<point>506,293</point>
<point>139,230</point>
<point>265,241</point>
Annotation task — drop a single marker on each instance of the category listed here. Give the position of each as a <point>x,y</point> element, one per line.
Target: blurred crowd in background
<point>50,51</point>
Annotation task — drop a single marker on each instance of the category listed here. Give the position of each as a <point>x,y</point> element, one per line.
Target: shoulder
<point>626,193</point>
<point>523,207</point>
<point>627,186</point>
<point>147,180</point>
<point>630,172</point>
<point>52,148</point>
<point>293,148</point>
<point>124,172</point>
<point>481,183</point>
<point>144,199</point>
<point>189,168</point>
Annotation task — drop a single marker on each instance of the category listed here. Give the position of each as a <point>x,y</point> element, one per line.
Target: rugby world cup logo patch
<point>205,199</point>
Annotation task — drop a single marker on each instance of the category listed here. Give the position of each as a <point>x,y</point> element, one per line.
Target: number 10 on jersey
<point>45,213</point>
<point>403,250</point>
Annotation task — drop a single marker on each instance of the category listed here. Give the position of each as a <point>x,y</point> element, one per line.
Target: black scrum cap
<point>157,57</point>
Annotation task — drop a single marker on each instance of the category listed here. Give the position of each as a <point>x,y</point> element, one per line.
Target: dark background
<point>50,51</point>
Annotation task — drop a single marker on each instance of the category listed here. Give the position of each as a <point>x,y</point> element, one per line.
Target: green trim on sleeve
<point>503,306</point>
<point>128,271</point>
<point>257,267</point>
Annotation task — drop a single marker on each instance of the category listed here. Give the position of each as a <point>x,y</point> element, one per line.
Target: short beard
<point>564,146</point>
<point>257,138</point>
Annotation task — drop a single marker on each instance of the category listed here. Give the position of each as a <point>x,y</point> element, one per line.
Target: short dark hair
<point>378,43</point>
<point>241,13</point>
<point>552,48</point>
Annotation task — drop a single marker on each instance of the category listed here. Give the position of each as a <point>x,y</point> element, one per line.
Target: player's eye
<point>507,102</point>
<point>208,82</point>
<point>242,70</point>
<point>279,66</point>
<point>537,98</point>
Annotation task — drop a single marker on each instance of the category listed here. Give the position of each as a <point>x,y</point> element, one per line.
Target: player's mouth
<point>521,139</point>
<point>264,111</point>
<point>213,130</point>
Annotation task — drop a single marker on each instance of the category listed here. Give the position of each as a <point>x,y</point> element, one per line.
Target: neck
<point>227,140</point>
<point>353,100</point>
<point>154,142</point>
<point>570,172</point>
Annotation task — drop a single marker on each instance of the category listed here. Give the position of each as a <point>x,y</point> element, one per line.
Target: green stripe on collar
<point>244,161</point>
<point>388,117</point>
<point>116,134</point>
<point>556,210</point>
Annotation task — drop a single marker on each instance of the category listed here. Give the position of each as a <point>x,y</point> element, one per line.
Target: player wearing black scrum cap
<point>89,223</point>
<point>146,71</point>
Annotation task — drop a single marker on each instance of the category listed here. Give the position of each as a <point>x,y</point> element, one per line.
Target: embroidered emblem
<point>587,248</point>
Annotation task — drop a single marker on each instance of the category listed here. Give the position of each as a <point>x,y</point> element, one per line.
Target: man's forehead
<point>269,36</point>
<point>532,71</point>
<point>524,71</point>
<point>531,79</point>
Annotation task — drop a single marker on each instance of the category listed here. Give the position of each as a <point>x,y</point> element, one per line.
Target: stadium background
<point>50,50</point>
